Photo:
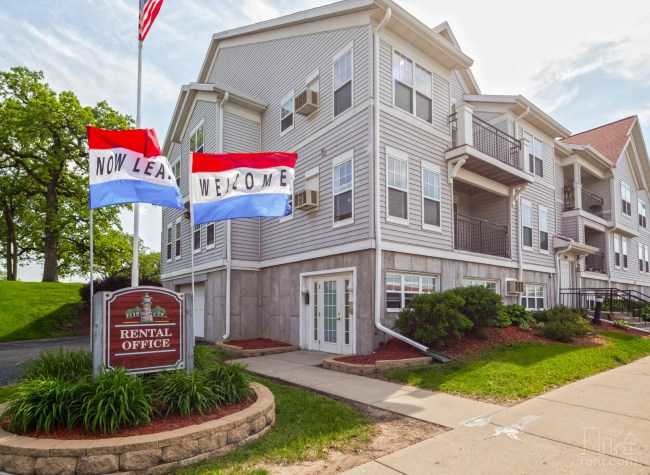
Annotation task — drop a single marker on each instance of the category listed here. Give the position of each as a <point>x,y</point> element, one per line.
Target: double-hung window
<point>543,229</point>
<point>342,188</point>
<point>209,236</point>
<point>617,250</point>
<point>423,92</point>
<point>626,199</point>
<point>177,239</point>
<point>286,113</point>
<point>401,288</point>
<point>343,68</point>
<point>641,267</point>
<point>397,183</point>
<point>527,223</point>
<point>170,241</point>
<point>624,249</point>
<point>533,297</point>
<point>430,196</point>
<point>176,169</point>
<point>535,154</point>
<point>196,238</point>
<point>403,82</point>
<point>647,258</point>
<point>492,285</point>
<point>197,141</point>
<point>643,219</point>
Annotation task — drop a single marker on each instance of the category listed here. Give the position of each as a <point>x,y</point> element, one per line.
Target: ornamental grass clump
<point>183,393</point>
<point>230,382</point>
<point>63,365</point>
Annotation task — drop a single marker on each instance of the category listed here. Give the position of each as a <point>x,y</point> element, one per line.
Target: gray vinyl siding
<point>456,91</point>
<point>622,173</point>
<point>242,135</point>
<point>311,230</point>
<point>269,70</point>
<point>203,111</point>
<point>571,228</point>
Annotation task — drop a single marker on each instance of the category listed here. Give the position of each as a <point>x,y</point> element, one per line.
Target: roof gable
<point>609,139</point>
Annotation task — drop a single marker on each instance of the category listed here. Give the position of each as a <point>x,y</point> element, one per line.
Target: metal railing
<point>591,202</point>
<point>476,235</point>
<point>595,263</point>
<point>490,140</point>
<point>630,306</point>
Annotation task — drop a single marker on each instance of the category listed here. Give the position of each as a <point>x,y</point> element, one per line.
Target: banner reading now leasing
<point>241,185</point>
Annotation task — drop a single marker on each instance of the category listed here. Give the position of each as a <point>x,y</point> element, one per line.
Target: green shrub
<point>230,383</point>
<point>481,305</point>
<point>562,324</point>
<point>64,365</point>
<point>45,404</point>
<point>180,392</point>
<point>515,315</point>
<point>116,400</point>
<point>434,319</point>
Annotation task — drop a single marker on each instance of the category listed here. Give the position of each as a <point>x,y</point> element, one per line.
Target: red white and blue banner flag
<point>149,10</point>
<point>126,166</point>
<point>241,185</point>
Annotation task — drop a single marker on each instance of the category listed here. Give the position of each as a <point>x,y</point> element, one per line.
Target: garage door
<point>198,307</point>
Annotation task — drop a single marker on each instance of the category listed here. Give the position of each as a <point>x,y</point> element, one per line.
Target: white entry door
<point>198,307</point>
<point>331,314</point>
<point>565,274</point>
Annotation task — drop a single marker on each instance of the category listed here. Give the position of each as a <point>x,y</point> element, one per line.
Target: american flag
<point>148,12</point>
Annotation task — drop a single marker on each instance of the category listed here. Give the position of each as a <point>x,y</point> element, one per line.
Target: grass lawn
<point>513,372</point>
<point>308,425</point>
<point>31,310</point>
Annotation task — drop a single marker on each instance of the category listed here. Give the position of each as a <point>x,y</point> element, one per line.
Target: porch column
<point>464,113</point>
<point>577,186</point>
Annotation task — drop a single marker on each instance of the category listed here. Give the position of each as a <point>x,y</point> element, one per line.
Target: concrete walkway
<point>600,425</point>
<point>301,368</point>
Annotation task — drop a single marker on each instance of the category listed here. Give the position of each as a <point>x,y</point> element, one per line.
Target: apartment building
<point>409,179</point>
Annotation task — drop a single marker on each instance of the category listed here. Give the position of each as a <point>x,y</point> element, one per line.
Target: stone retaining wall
<point>243,353</point>
<point>381,365</point>
<point>142,454</point>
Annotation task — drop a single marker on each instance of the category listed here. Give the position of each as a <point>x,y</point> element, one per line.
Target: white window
<point>647,258</point>
<point>403,82</point>
<point>343,67</point>
<point>196,238</point>
<point>209,236</point>
<point>397,183</point>
<point>535,153</point>
<point>342,189</point>
<point>170,241</point>
<point>641,267</point>
<point>643,219</point>
<point>430,196</point>
<point>401,288</point>
<point>197,140</point>
<point>423,92</point>
<point>533,297</point>
<point>176,169</point>
<point>626,199</point>
<point>624,248</point>
<point>177,239</point>
<point>527,223</point>
<point>286,113</point>
<point>543,229</point>
<point>492,285</point>
<point>617,250</point>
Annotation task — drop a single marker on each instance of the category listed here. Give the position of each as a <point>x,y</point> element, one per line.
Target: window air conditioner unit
<point>515,287</point>
<point>306,199</point>
<point>306,103</point>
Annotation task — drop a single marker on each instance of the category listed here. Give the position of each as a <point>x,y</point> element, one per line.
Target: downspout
<point>520,257</point>
<point>226,335</point>
<point>378,251</point>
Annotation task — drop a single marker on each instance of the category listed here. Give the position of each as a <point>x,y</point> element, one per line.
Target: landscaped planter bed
<point>256,347</point>
<point>159,452</point>
<point>394,354</point>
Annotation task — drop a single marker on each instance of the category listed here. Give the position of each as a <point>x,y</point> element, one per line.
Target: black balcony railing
<point>591,202</point>
<point>496,143</point>
<point>595,263</point>
<point>476,235</point>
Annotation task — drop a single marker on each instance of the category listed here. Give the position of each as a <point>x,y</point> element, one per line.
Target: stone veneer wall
<point>142,454</point>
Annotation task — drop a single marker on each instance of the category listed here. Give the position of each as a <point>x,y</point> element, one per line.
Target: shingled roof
<point>609,139</point>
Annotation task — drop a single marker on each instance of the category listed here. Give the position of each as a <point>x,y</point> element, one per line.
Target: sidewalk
<point>301,368</point>
<point>600,425</point>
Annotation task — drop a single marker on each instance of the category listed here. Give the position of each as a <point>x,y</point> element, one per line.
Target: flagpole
<point>191,232</point>
<point>92,275</point>
<point>136,206</point>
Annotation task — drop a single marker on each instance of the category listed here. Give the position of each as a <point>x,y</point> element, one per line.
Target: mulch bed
<point>158,424</point>
<point>256,343</point>
<point>392,350</point>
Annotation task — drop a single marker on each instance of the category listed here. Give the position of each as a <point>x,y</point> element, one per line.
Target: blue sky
<point>584,62</point>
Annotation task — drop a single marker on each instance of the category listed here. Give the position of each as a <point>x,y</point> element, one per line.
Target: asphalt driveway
<point>13,355</point>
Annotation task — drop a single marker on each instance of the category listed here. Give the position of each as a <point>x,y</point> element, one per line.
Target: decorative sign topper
<point>143,329</point>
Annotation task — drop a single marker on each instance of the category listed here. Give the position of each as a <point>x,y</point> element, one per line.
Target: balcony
<point>590,202</point>
<point>596,263</point>
<point>485,150</point>
<point>476,235</point>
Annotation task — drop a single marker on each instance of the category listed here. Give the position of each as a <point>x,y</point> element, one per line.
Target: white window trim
<point>179,177</point>
<point>534,137</point>
<point>210,246</point>
<point>348,48</point>
<point>527,203</point>
<point>345,157</point>
<point>625,252</point>
<point>197,250</point>
<point>626,185</point>
<point>525,295</point>
<point>399,155</point>
<point>539,229</point>
<point>641,205</point>
<point>178,238</point>
<point>646,253</point>
<point>169,242</point>
<point>192,132</point>
<point>436,170</point>
<point>479,280</point>
<point>413,86</point>
<point>617,239</point>
<point>640,257</point>
<point>402,274</point>
<point>290,98</point>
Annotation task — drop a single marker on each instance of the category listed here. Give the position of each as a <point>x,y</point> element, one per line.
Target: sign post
<point>142,329</point>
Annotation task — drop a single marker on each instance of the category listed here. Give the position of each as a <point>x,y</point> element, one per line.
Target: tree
<point>43,134</point>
